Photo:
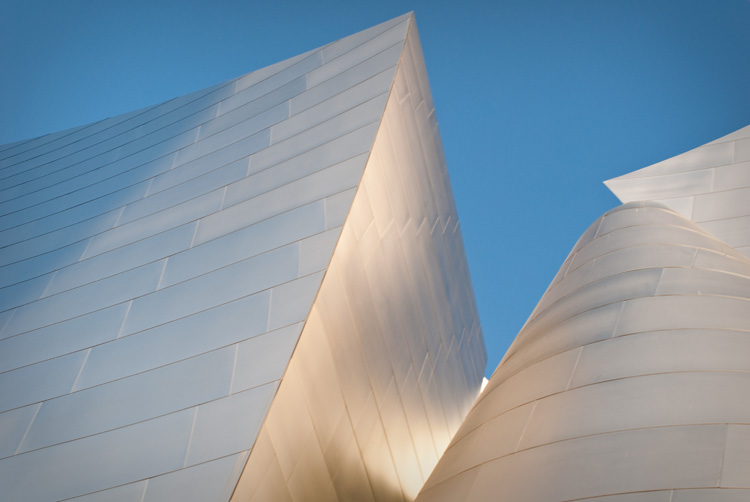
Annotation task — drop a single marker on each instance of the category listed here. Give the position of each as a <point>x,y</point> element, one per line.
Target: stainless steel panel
<point>344,45</point>
<point>53,241</point>
<point>79,467</point>
<point>650,256</point>
<point>646,314</point>
<point>337,207</point>
<point>379,66</point>
<point>295,194</point>
<point>474,449</point>
<point>226,284</point>
<point>651,496</point>
<point>171,342</point>
<point>85,299</point>
<point>734,231</point>
<point>252,240</point>
<point>361,52</point>
<point>186,191</point>
<point>132,492</point>
<point>290,302</point>
<point>681,457</point>
<point>45,380</point>
<point>720,205</point>
<point>24,292</point>
<point>331,107</point>
<point>735,470</point>
<point>162,221</point>
<point>742,150</point>
<point>209,482</point>
<point>731,177</point>
<point>256,76</point>
<point>236,110</point>
<point>637,403</point>
<point>226,137</point>
<point>228,424</point>
<point>339,151</point>
<point>667,185</point>
<point>663,351</point>
<point>132,400</point>
<point>710,155</point>
<point>202,167</point>
<point>597,293</point>
<point>703,282</point>
<point>715,261</point>
<point>266,80</point>
<point>316,251</point>
<point>714,495</point>
<point>637,216</point>
<point>73,335</point>
<point>121,259</point>
<point>263,358</point>
<point>13,427</point>
<point>505,391</point>
<point>285,148</point>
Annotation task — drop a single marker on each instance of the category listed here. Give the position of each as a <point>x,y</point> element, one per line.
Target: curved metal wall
<point>628,383</point>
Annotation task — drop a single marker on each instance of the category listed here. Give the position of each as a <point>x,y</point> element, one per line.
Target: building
<point>628,383</point>
<point>258,292</point>
<point>254,292</point>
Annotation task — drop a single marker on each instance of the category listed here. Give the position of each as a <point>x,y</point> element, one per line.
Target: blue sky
<point>538,101</point>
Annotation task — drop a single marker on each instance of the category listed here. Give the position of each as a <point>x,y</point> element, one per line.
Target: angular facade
<point>709,185</point>
<point>254,292</point>
<point>258,292</point>
<point>629,381</point>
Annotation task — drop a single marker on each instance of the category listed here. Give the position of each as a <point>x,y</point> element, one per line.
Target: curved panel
<point>628,381</point>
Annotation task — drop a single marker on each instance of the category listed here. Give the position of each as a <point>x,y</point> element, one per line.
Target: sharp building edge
<point>258,292</point>
<point>391,356</point>
<point>254,292</point>
<point>628,383</point>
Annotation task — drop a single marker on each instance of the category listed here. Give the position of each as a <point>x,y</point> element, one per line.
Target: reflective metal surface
<point>159,269</point>
<point>628,382</point>
<point>391,355</point>
<point>709,185</point>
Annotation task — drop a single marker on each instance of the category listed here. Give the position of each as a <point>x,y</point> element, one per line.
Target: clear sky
<point>538,101</point>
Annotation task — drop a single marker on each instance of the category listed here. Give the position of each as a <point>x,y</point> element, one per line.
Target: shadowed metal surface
<point>628,381</point>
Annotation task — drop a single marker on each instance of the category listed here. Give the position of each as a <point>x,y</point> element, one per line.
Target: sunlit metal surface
<point>628,382</point>
<point>391,357</point>
<point>157,269</point>
<point>709,185</point>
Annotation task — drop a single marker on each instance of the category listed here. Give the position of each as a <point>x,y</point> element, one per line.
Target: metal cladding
<point>709,185</point>
<point>260,283</point>
<point>373,395</point>
<point>629,381</point>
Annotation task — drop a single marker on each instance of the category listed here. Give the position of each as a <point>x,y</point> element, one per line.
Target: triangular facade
<point>261,282</point>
